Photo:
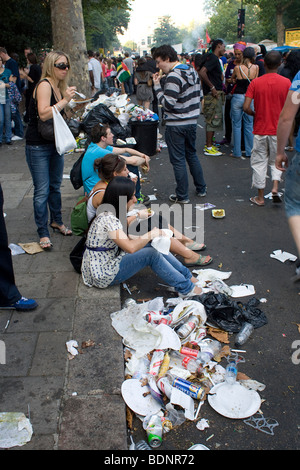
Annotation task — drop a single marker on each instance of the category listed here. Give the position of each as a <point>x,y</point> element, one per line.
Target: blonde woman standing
<point>45,164</point>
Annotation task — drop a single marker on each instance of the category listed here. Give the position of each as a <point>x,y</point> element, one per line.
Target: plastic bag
<point>64,139</point>
<point>229,315</point>
<point>99,113</point>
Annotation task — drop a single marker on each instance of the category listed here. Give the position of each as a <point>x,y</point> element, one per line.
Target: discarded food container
<point>218,213</point>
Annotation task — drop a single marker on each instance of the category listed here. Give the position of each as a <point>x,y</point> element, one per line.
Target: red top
<point>269,94</point>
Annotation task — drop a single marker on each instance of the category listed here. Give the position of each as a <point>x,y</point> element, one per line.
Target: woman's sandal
<point>62,229</point>
<point>201,261</point>
<point>194,246</point>
<point>46,244</point>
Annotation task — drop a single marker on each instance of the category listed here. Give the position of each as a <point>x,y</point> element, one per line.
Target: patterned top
<point>99,268</point>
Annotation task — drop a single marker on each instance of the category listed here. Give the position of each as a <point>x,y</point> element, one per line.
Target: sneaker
<point>212,151</point>
<point>223,142</point>
<point>16,137</point>
<point>174,198</point>
<point>144,200</point>
<point>202,194</point>
<point>22,305</point>
<point>296,277</point>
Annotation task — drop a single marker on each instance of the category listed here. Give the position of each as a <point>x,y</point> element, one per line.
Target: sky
<point>144,14</point>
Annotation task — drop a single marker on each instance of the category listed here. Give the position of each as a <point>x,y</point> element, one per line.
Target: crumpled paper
<point>15,430</point>
<point>141,336</point>
<point>282,256</point>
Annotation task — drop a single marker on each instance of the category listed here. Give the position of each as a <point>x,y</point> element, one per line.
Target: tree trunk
<point>280,27</point>
<point>69,37</point>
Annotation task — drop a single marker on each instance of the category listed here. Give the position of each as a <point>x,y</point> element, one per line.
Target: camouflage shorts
<point>213,111</point>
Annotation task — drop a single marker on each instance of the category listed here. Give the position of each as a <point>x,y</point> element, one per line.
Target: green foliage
<point>223,21</point>
<point>25,23</point>
<point>166,33</point>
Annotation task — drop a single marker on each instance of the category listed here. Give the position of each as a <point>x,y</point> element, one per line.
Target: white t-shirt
<point>95,66</point>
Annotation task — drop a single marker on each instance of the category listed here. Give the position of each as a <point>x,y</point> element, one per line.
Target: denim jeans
<point>5,121</point>
<point>292,187</point>
<point>128,86</point>
<point>19,128</point>
<point>181,142</point>
<point>46,168</point>
<point>237,116</point>
<point>167,267</point>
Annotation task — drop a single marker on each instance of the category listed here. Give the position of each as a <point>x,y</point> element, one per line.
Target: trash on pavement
<point>15,430</point>
<point>283,256</point>
<point>172,359</point>
<point>71,347</point>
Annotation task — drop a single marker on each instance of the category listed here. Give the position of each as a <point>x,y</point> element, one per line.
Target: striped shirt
<point>180,97</point>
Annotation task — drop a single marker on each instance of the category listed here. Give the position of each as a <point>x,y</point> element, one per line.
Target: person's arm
<point>136,158</point>
<point>204,77</point>
<point>285,123</point>
<point>247,106</point>
<point>136,244</point>
<point>43,96</point>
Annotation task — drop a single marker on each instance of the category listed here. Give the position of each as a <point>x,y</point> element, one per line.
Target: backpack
<point>75,173</point>
<point>79,218</point>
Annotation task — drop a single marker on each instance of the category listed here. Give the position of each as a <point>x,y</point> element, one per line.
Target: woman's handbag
<point>64,139</point>
<point>46,129</point>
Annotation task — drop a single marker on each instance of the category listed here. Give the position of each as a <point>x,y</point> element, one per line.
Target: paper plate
<point>133,395</point>
<point>218,213</point>
<point>234,401</point>
<point>198,447</point>
<point>194,307</point>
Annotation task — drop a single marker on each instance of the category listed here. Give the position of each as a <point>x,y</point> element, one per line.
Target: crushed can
<point>193,390</point>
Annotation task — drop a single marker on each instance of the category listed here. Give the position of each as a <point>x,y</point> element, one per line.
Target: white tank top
<point>90,209</point>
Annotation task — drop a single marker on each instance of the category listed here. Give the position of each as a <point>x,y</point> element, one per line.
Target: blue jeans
<point>167,267</point>
<point>128,85</point>
<point>237,116</point>
<point>19,128</point>
<point>5,121</point>
<point>46,168</point>
<point>181,142</point>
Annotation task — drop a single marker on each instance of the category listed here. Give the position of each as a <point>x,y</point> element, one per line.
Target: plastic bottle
<point>185,329</point>
<point>231,372</point>
<point>209,349</point>
<point>189,363</point>
<point>142,445</point>
<point>243,334</point>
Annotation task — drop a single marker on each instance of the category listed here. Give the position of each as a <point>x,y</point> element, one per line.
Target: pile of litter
<point>173,355</point>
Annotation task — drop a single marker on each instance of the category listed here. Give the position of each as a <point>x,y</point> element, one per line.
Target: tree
<point>69,36</point>
<point>166,33</point>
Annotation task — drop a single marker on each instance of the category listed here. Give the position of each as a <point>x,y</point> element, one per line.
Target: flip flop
<point>196,246</point>
<point>200,261</point>
<point>276,198</point>
<point>254,201</point>
<point>46,244</point>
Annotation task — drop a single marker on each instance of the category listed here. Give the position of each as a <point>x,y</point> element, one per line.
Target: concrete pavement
<point>72,404</point>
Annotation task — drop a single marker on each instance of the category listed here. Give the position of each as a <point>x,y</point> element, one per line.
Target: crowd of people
<point>255,96</point>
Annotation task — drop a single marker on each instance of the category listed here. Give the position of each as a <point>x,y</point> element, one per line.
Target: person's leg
<point>7,121</point>
<point>248,132</point>
<point>135,170</point>
<point>167,268</point>
<point>19,128</point>
<point>38,162</point>
<point>56,168</point>
<point>9,293</point>
<point>192,158</point>
<point>175,140</point>
<point>275,174</point>
<point>259,165</point>
<point>292,198</point>
<point>227,119</point>
<point>236,117</point>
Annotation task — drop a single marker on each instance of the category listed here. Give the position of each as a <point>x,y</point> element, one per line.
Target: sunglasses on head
<point>62,66</point>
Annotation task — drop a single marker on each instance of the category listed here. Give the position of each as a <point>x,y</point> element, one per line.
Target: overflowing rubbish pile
<point>112,108</point>
<point>173,352</point>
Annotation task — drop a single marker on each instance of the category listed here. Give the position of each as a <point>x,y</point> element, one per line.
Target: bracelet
<point>213,87</point>
<point>60,108</point>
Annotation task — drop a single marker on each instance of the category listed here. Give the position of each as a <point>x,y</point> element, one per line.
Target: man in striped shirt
<point>180,99</point>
